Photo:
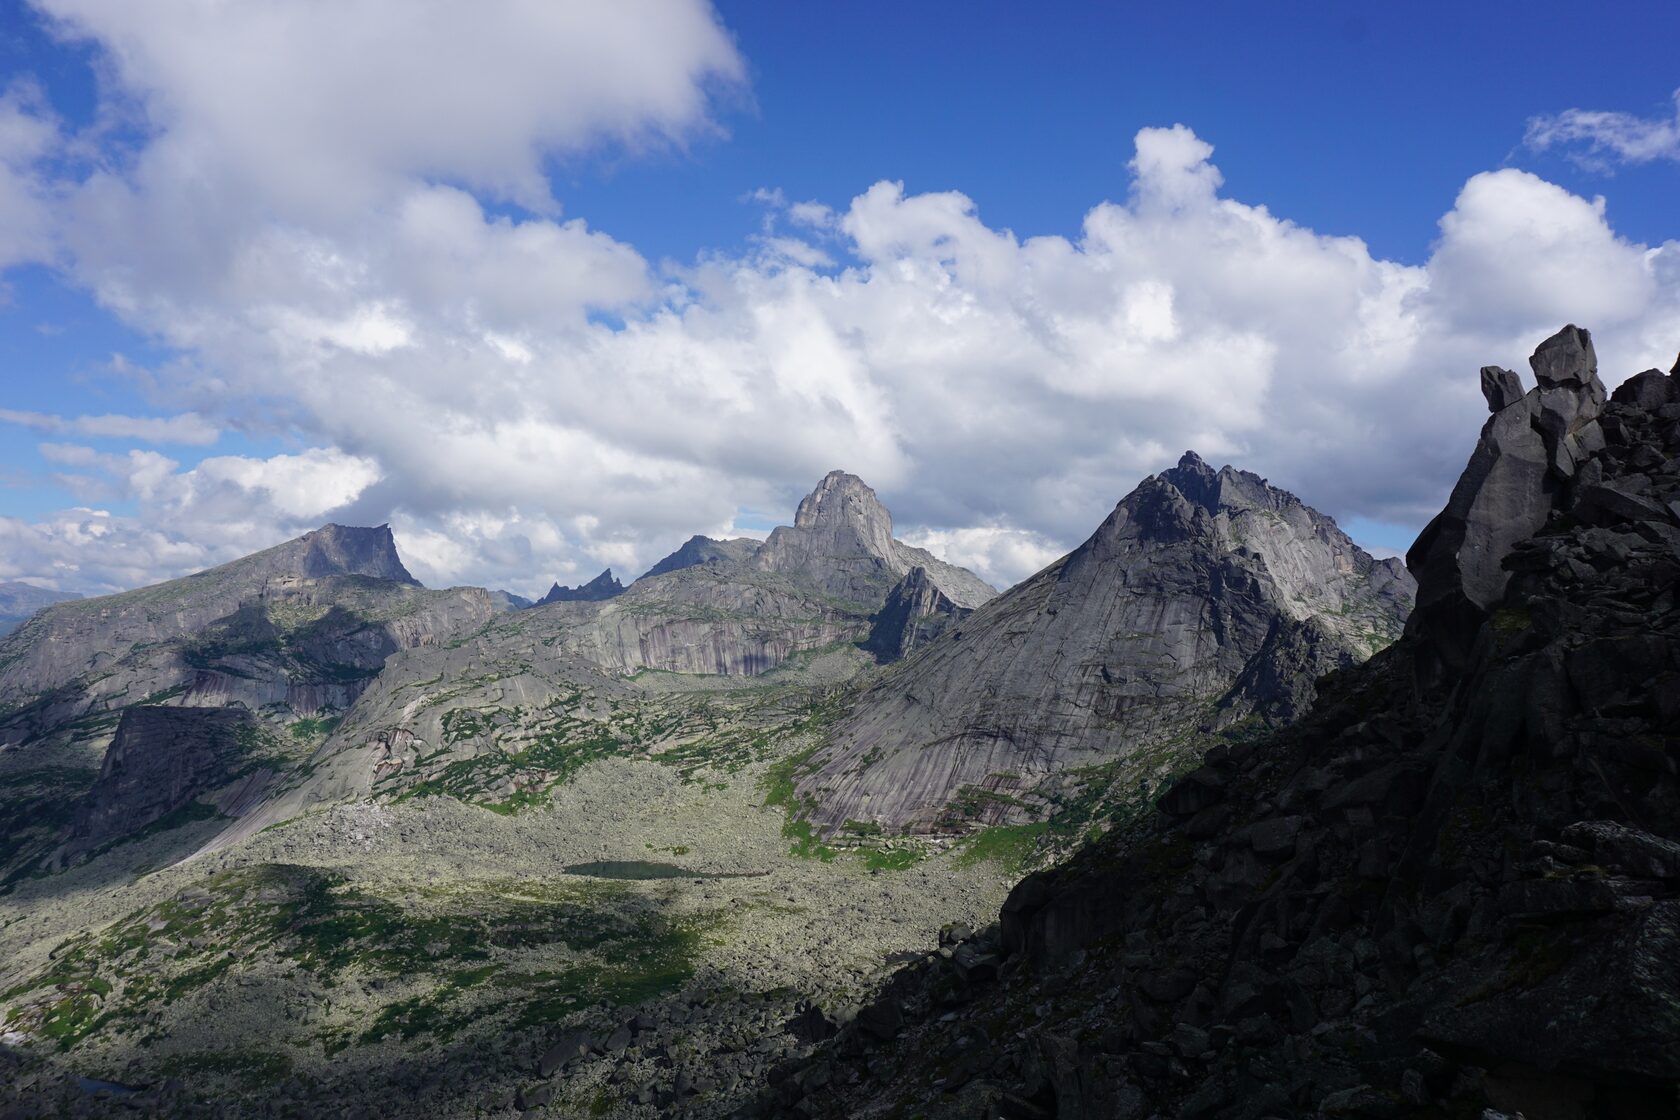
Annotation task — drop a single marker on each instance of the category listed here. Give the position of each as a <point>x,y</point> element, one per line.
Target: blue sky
<point>357,314</point>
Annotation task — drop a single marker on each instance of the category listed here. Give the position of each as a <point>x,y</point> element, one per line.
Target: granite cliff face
<point>1206,598</point>
<point>1454,886</point>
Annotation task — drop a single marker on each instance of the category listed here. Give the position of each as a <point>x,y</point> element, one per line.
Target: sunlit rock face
<point>1205,598</point>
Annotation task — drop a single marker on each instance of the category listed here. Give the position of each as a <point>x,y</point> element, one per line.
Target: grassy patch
<point>1013,847</point>
<point>314,727</point>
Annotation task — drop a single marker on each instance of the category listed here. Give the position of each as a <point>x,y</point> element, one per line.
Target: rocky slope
<point>703,550</point>
<point>1453,887</point>
<point>73,639</point>
<point>1206,598</point>
<point>291,635</point>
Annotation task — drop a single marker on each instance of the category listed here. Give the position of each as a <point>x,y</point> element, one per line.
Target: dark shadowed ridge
<point>1453,889</point>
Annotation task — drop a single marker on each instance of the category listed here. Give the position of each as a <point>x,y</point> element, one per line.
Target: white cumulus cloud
<point>525,398</point>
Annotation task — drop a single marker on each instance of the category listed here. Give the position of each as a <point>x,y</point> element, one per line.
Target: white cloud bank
<point>328,264</point>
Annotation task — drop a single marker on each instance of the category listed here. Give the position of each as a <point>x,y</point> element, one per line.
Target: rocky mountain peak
<point>841,542</point>
<point>1535,447</point>
<point>348,550</point>
<point>1204,599</point>
<point>603,586</point>
<point>845,501</point>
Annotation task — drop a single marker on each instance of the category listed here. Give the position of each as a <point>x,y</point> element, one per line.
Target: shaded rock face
<point>1205,598</point>
<point>841,544</point>
<point>603,586</point>
<point>160,760</point>
<point>704,550</point>
<point>1436,894</point>
<point>915,613</point>
<point>342,550</point>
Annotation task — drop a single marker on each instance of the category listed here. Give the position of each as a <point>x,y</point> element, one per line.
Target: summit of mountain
<point>841,543</point>
<point>602,587</point>
<point>1207,599</point>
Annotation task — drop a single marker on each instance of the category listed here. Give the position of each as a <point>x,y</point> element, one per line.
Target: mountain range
<point>662,849</point>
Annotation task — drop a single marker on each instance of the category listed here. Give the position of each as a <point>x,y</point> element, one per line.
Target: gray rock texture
<point>1529,450</point>
<point>841,544</point>
<point>1206,597</point>
<point>1443,894</point>
<point>915,613</point>
<point>704,550</point>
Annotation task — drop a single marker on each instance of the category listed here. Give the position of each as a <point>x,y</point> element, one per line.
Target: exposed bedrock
<point>1205,597</point>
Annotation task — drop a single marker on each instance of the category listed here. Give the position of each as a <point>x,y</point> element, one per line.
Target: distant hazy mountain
<point>603,586</point>
<point>704,550</point>
<point>20,600</point>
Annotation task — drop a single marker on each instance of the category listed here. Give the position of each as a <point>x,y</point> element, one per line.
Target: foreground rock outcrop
<point>1205,599</point>
<point>1453,887</point>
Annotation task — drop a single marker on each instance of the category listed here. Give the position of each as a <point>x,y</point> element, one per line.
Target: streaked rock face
<point>1207,596</point>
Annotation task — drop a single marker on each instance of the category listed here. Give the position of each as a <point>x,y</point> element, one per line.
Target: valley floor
<point>432,951</point>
